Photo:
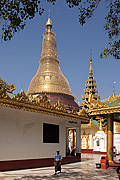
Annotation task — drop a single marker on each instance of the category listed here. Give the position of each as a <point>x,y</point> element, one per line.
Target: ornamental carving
<point>44,102</point>
<point>3,92</point>
<point>95,104</point>
<point>3,89</point>
<point>22,97</point>
<point>60,107</point>
<point>83,112</point>
<point>8,88</point>
<point>74,111</point>
<point>111,99</point>
<point>97,107</point>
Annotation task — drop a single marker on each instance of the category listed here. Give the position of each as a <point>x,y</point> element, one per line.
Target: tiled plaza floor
<point>85,170</point>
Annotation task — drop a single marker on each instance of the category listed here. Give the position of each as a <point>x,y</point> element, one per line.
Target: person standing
<point>57,161</point>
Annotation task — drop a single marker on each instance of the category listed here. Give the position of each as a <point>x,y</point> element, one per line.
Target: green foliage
<point>14,13</point>
<point>112,26</point>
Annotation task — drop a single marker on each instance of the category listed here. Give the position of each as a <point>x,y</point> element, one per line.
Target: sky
<point>19,58</point>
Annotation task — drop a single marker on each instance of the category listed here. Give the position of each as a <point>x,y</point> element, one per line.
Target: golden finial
<point>100,127</point>
<point>113,95</point>
<point>90,70</point>
<point>49,23</point>
<point>21,89</point>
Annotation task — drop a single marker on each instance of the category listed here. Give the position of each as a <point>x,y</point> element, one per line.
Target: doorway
<point>71,142</point>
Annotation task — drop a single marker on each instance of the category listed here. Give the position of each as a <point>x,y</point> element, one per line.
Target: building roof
<point>107,106</point>
<point>114,103</point>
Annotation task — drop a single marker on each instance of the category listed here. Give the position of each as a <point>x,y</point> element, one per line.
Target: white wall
<point>21,134</point>
<point>91,132</point>
<point>116,142</point>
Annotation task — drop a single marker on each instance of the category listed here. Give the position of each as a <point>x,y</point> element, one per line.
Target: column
<point>67,141</point>
<point>110,118</point>
<point>91,141</point>
<point>78,142</point>
<point>73,138</point>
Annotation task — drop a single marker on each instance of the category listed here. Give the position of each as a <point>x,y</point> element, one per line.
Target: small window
<point>50,133</point>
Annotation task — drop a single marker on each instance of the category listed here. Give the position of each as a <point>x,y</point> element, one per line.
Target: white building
<point>31,132</point>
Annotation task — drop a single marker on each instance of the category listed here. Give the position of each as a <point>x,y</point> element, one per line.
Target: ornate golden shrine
<point>109,108</point>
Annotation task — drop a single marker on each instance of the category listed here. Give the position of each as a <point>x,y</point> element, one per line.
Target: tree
<point>112,26</point>
<point>14,13</point>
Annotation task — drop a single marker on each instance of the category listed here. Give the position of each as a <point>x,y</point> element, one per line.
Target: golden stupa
<point>49,79</point>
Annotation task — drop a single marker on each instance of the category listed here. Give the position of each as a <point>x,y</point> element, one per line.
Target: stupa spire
<point>90,92</point>
<point>90,69</point>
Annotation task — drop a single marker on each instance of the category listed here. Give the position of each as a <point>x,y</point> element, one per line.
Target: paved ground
<point>85,170</point>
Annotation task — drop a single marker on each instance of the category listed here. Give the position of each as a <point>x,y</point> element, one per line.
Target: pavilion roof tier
<point>92,79</point>
<point>90,84</point>
<point>87,96</point>
<point>93,91</point>
<point>107,106</point>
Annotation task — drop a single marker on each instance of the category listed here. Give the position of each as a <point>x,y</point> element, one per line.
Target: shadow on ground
<point>87,175</point>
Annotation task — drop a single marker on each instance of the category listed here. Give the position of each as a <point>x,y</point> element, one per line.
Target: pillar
<point>110,118</point>
<point>91,141</point>
<point>67,141</point>
<point>73,138</point>
<point>78,142</point>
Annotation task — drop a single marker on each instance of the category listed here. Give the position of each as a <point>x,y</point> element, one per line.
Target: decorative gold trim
<point>5,86</point>
<point>74,111</point>
<point>111,99</point>
<point>97,107</point>
<point>22,97</point>
<point>40,105</point>
<point>3,92</point>
<point>83,112</point>
<point>44,106</point>
<point>60,107</point>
